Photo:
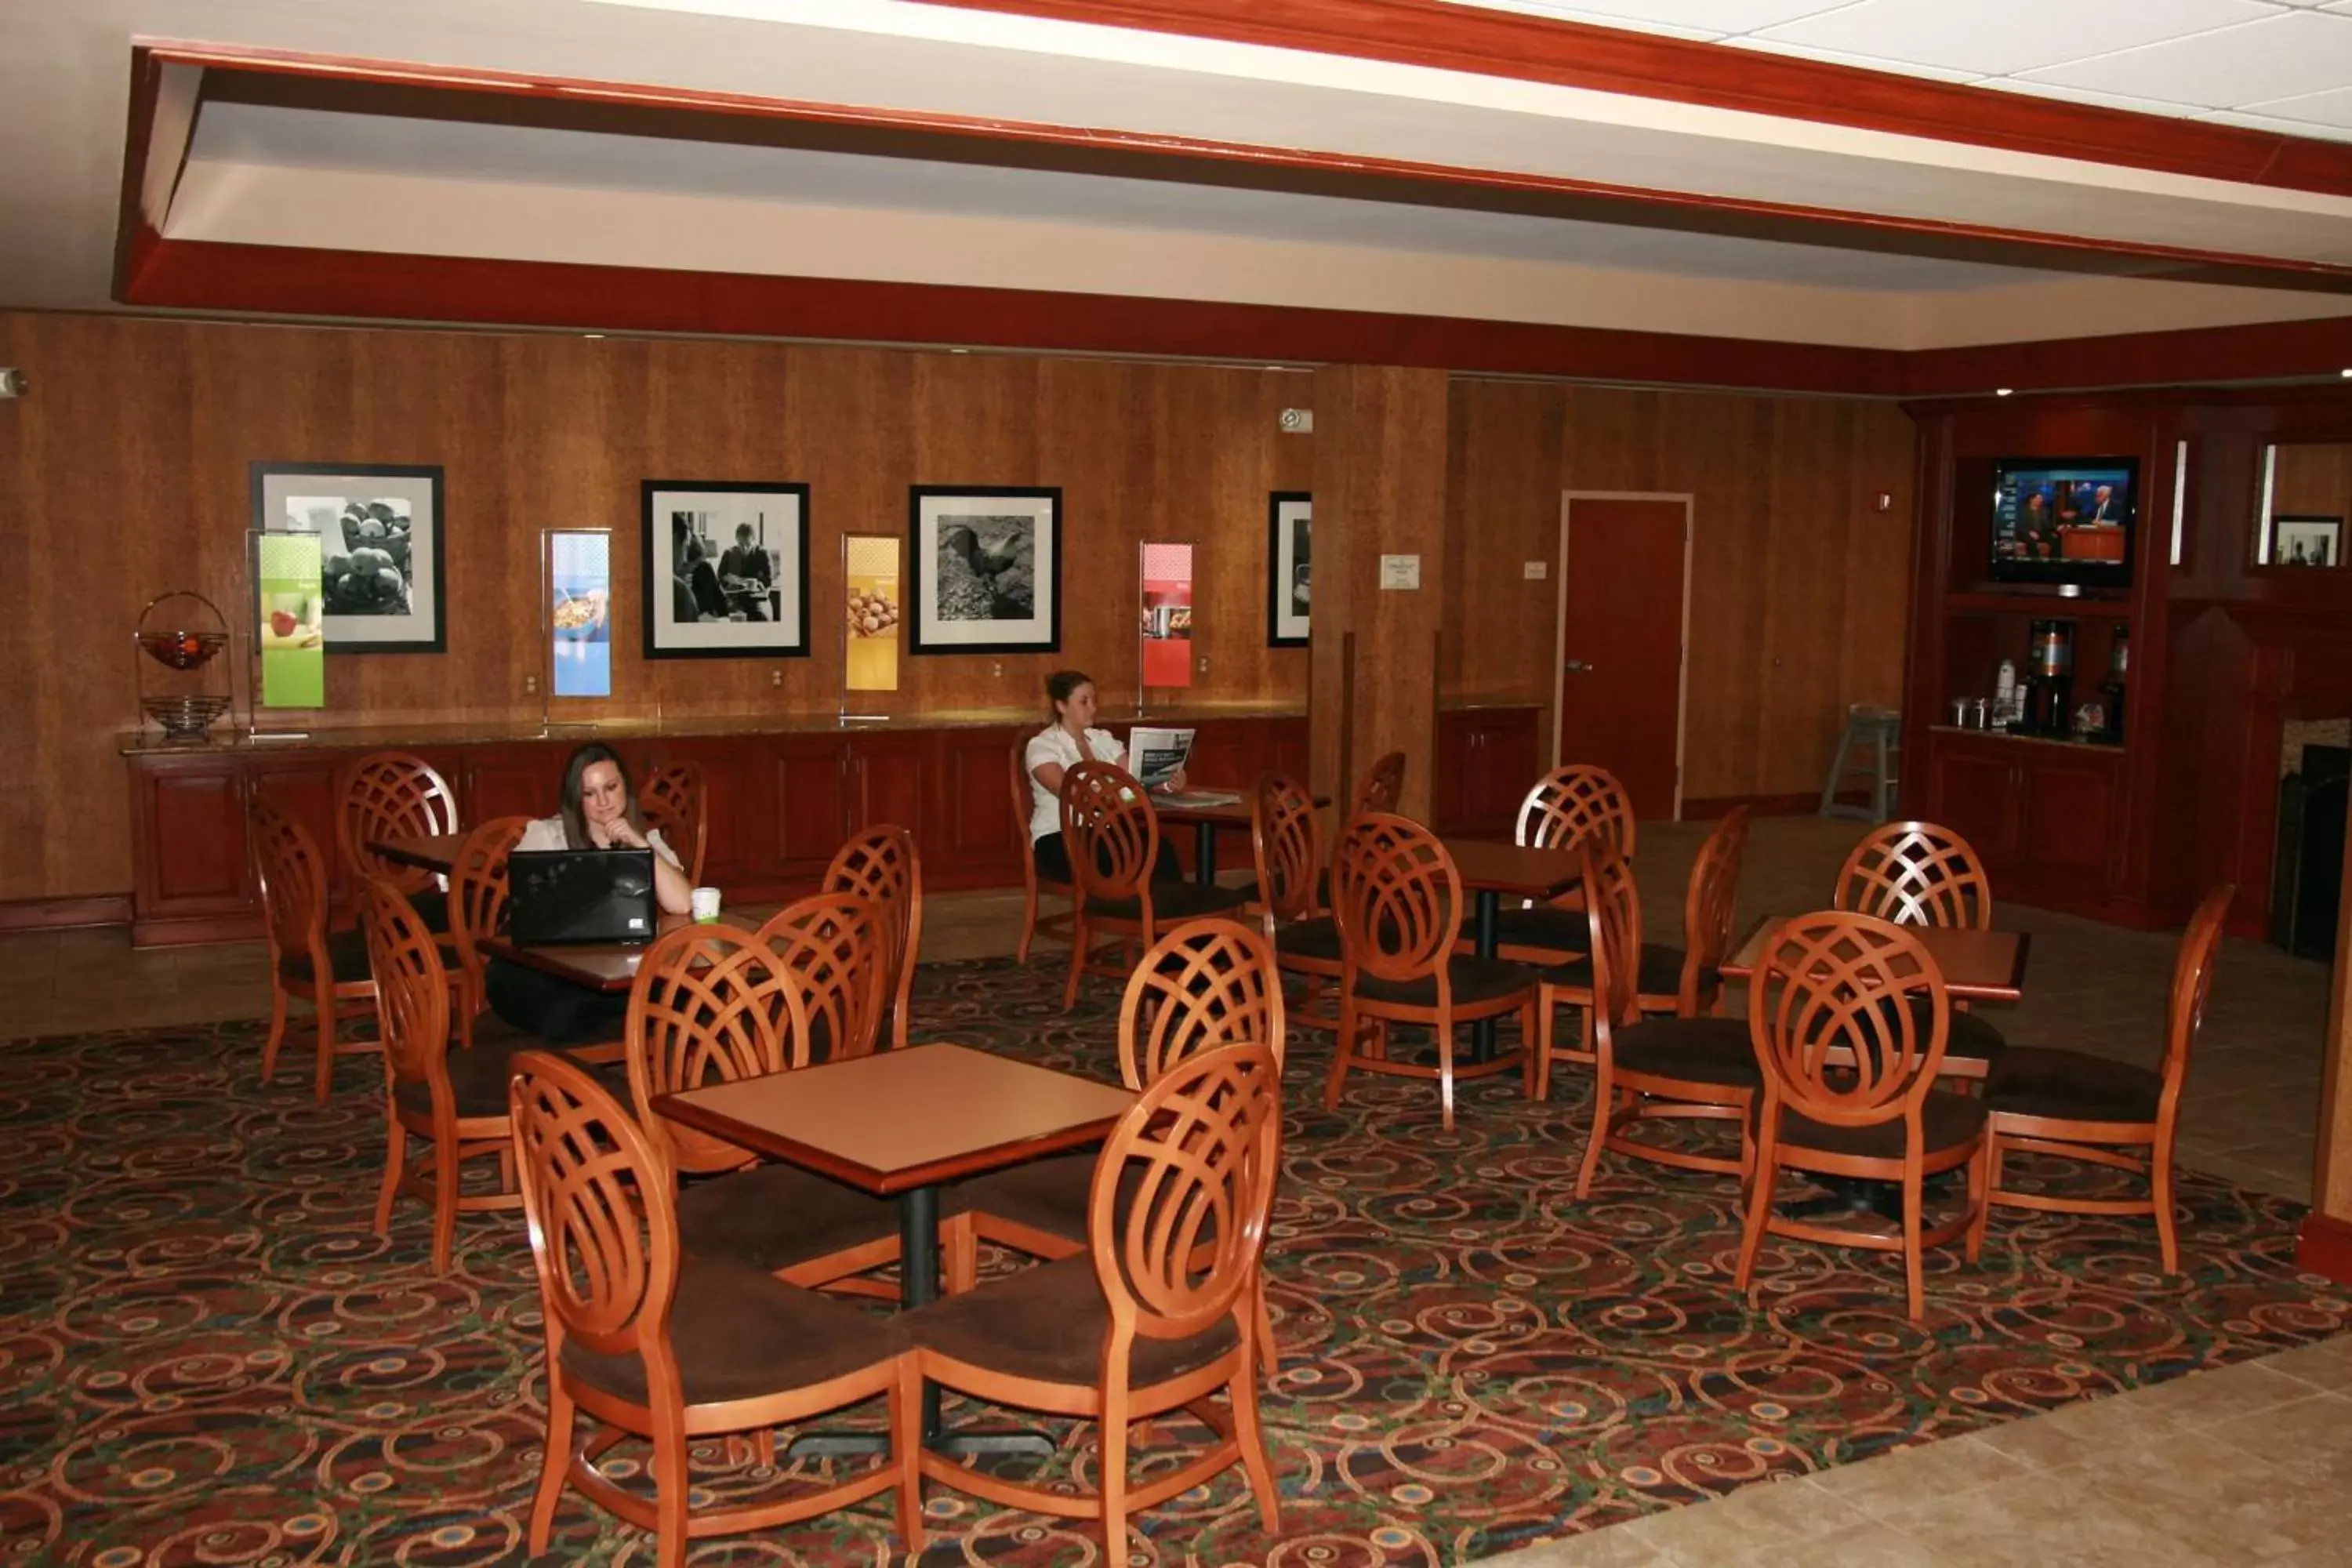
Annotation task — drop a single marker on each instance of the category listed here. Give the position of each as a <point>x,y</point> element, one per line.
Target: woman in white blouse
<point>1069,740</point>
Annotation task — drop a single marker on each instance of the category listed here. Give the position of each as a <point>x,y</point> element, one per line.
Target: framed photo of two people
<point>726,568</point>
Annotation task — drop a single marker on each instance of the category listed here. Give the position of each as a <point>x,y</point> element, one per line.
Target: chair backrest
<point>1613,913</point>
<point>2192,979</point>
<point>1849,1018</point>
<point>1109,830</point>
<point>881,864</point>
<point>293,878</point>
<point>477,888</point>
<point>1710,906</point>
<point>1572,802</point>
<point>1916,874</point>
<point>599,1204</point>
<point>1208,983</point>
<point>411,992</point>
<point>1286,842</point>
<point>391,794</point>
<point>672,799</point>
<point>1383,786</point>
<point>836,948</point>
<point>1177,1216</point>
<point>1396,898</point>
<point>711,1004</point>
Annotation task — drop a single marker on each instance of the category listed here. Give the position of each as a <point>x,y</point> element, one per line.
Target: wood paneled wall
<point>1798,589</point>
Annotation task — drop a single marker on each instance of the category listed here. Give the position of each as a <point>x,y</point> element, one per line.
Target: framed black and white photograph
<point>983,568</point>
<point>379,550</point>
<point>1289,557</point>
<point>726,568</point>
<point>2307,540</point>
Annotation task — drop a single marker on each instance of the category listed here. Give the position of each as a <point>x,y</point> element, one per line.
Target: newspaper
<point>1154,755</point>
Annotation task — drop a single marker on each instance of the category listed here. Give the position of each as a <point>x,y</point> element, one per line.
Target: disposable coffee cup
<point>705,904</point>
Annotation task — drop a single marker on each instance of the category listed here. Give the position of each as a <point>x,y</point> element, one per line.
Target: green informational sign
<point>292,635</point>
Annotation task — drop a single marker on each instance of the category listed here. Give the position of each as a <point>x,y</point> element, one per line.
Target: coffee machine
<point>2050,678</point>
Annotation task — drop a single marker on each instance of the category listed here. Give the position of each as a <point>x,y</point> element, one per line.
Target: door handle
<point>1578,667</point>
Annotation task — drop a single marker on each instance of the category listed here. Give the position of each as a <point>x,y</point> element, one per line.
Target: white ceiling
<point>2273,65</point>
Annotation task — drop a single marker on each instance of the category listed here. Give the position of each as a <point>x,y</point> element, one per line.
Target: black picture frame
<point>354,626</point>
<point>1286,625</point>
<point>661,503</point>
<point>931,510</point>
<point>2288,529</point>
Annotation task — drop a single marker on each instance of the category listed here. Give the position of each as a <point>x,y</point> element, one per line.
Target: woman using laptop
<point>600,812</point>
<point>1069,740</point>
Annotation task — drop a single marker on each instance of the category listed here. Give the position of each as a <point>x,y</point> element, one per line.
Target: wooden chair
<point>673,800</point>
<point>1398,901</point>
<point>1848,1015</point>
<point>1383,786</point>
<point>1567,805</point>
<point>1155,1317</point>
<point>2087,1108</point>
<point>457,1106</point>
<point>1922,874</point>
<point>305,963</point>
<point>716,1003</point>
<point>1286,845</point>
<point>1644,1068</point>
<point>881,864</point>
<point>1034,887</point>
<point>478,904</point>
<point>396,794</point>
<point>1686,982</point>
<point>1112,835</point>
<point>835,950</point>
<point>649,1339</point>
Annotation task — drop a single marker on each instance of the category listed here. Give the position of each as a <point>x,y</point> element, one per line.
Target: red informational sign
<point>1167,615</point>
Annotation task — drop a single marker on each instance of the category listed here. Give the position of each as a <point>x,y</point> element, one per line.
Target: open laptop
<point>580,895</point>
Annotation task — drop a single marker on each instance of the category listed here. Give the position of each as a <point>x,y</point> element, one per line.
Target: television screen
<point>2064,520</point>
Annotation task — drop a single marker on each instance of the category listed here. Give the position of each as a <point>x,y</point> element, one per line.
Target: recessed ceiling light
<point>958,351</point>
<point>2002,391</point>
<point>591,336</point>
<point>2345,372</point>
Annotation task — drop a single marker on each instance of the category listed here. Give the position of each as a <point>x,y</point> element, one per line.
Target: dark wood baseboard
<point>1707,808</point>
<point>2325,1247</point>
<point>64,914</point>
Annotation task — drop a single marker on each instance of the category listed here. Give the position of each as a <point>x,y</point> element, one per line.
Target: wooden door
<point>1975,791</point>
<point>1624,563</point>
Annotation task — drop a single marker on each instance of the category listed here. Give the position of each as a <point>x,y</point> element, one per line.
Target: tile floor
<point>2251,1464</point>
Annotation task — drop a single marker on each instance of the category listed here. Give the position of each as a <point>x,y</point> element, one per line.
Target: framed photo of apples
<point>380,547</point>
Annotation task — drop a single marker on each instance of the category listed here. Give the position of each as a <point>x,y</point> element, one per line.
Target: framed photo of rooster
<point>983,568</point>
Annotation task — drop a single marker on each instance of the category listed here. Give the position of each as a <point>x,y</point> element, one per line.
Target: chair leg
<point>959,1248</point>
<point>323,999</point>
<point>395,1161</point>
<point>445,1202</point>
<point>1978,1167</point>
<point>1915,1285</point>
<point>1114,1472</point>
<point>1250,1438</point>
<point>1837,771</point>
<point>671,1485</point>
<point>1077,963</point>
<point>1341,1051</point>
<point>2159,1176</point>
<point>1269,1349</point>
<point>1767,1176</point>
<point>278,1008</point>
<point>907,1452</point>
<point>1604,1112</point>
<point>1028,918</point>
<point>1540,1051</point>
<point>1445,1073</point>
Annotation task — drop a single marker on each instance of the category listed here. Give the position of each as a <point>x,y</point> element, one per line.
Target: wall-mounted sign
<point>1401,572</point>
<point>1167,615</point>
<point>870,563</point>
<point>580,619</point>
<point>290,600</point>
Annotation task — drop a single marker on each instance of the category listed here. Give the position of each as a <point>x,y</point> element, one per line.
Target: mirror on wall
<point>2306,494</point>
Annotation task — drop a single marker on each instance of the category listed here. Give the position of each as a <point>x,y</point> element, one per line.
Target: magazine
<point>1154,755</point>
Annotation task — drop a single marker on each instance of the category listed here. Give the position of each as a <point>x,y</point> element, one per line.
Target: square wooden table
<point>610,967</point>
<point>1206,820</point>
<point>1978,966</point>
<point>898,1124</point>
<point>1492,870</point>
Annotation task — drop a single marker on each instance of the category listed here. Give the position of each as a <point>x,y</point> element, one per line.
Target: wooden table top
<point>906,1119</point>
<point>1487,867</point>
<point>1978,966</point>
<point>607,966</point>
<point>1232,813</point>
<point>437,853</point>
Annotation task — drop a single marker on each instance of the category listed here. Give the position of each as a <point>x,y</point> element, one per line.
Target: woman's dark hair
<point>575,821</point>
<point>1060,687</point>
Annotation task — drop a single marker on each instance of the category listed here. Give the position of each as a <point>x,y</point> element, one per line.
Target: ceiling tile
<point>1995,37</point>
<point>1687,18</point>
<point>1842,57</point>
<point>2283,127</point>
<point>2085,95</point>
<point>2321,107</point>
<point>2290,53</point>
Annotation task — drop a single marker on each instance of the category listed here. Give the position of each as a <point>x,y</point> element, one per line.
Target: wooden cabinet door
<point>1224,755</point>
<point>1507,769</point>
<point>1451,803</point>
<point>1976,794</point>
<point>189,841</point>
<point>304,789</point>
<point>972,835</point>
<point>886,775</point>
<point>1286,747</point>
<point>511,781</point>
<point>811,803</point>
<point>2067,802</point>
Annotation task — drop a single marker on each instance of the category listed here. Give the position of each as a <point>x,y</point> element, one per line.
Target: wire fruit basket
<point>184,686</point>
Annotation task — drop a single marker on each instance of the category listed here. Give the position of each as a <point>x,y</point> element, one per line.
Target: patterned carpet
<point>207,1358</point>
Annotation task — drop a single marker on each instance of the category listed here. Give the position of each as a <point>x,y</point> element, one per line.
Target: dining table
<point>1206,810</point>
<point>1493,871</point>
<point>1978,966</point>
<point>903,1124</point>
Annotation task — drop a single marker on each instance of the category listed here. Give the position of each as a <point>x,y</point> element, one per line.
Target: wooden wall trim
<point>65,914</point>
<point>2324,1247</point>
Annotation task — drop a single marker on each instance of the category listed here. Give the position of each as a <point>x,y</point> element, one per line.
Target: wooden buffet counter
<point>784,791</point>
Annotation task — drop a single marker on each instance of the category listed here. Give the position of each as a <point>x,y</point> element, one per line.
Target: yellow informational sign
<point>875,611</point>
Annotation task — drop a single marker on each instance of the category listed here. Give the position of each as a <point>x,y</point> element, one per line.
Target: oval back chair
<point>478,908</point>
<point>1571,802</point>
<point>304,962</point>
<point>674,800</point>
<point>835,947</point>
<point>881,864</point>
<point>1032,885</point>
<point>1849,1018</point>
<point>1286,843</point>
<point>394,795</point>
<point>1709,907</point>
<point>1112,836</point>
<point>1206,984</point>
<point>1383,784</point>
<point>1916,874</point>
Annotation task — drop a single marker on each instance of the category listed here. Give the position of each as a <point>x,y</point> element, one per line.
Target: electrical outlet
<point>996,667</point>
<point>1536,571</point>
<point>531,683</point>
<point>1204,664</point>
<point>775,678</point>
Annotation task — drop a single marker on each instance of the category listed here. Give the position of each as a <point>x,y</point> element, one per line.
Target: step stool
<point>1881,730</point>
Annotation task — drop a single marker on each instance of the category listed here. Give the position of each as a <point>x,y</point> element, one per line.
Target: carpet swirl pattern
<point>206,1357</point>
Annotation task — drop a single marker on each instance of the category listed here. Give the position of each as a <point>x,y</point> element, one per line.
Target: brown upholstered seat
<point>478,1079</point>
<point>738,1333</point>
<point>1659,974</point>
<point>1697,1050</point>
<point>1317,937</point>
<point>1049,1323</point>
<point>1172,902</point>
<point>1947,1120</point>
<point>346,961</point>
<point>2072,1086</point>
<point>1545,926</point>
<point>1971,1038</point>
<point>771,1217</point>
<point>1048,1194</point>
<point>1475,979</point>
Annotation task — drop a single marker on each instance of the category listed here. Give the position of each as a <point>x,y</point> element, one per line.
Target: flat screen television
<point>2067,522</point>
